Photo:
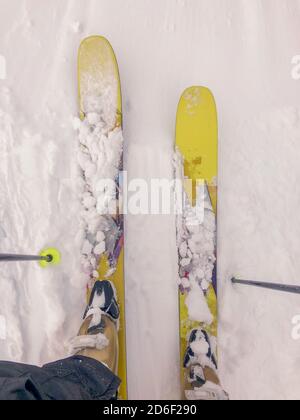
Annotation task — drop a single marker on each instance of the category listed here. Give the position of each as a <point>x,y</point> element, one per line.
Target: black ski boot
<point>190,356</point>
<point>103,297</point>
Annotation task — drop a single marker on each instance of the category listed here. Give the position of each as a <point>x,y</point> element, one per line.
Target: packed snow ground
<point>243,51</point>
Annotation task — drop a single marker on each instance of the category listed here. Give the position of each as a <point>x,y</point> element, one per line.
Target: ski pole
<point>271,286</point>
<point>15,258</point>
<point>47,257</point>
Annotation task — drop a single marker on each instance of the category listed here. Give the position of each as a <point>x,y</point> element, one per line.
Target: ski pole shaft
<point>271,286</point>
<point>15,258</point>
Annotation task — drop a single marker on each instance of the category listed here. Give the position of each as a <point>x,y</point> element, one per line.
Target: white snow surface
<point>243,51</point>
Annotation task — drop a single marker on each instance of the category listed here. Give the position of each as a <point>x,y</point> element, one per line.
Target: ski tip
<point>94,39</point>
<point>195,95</point>
<point>98,69</point>
<point>54,257</point>
<point>196,88</point>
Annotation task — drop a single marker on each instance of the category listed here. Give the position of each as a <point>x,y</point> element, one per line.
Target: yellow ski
<point>98,68</point>
<point>197,146</point>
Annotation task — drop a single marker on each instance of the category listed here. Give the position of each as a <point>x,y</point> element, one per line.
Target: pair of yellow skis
<point>196,139</point>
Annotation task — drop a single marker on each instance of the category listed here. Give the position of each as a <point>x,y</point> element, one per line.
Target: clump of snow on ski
<point>99,157</point>
<point>196,237</point>
<point>196,242</point>
<point>99,101</point>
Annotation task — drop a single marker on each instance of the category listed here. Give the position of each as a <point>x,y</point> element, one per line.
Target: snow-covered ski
<point>196,169</point>
<point>101,164</point>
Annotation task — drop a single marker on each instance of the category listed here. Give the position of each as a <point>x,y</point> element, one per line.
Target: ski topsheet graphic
<point>196,165</point>
<point>101,163</point>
